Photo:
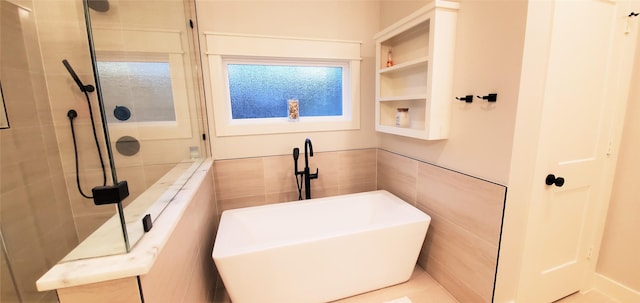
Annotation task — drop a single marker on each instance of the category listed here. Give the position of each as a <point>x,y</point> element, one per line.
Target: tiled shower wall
<point>35,214</point>
<point>461,248</point>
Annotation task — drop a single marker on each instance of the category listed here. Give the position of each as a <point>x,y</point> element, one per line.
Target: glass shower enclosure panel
<point>144,55</point>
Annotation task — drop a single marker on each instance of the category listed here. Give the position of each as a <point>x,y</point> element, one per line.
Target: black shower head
<point>98,5</point>
<point>83,88</point>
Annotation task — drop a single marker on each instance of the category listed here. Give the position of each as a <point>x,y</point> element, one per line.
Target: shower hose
<point>72,114</point>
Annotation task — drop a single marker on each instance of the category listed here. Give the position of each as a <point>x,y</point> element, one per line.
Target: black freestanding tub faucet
<point>305,175</point>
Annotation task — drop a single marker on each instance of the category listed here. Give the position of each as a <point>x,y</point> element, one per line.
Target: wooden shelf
<point>400,131</point>
<point>422,78</point>
<point>405,65</point>
<point>403,98</point>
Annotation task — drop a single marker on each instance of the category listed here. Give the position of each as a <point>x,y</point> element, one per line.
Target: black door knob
<point>553,180</point>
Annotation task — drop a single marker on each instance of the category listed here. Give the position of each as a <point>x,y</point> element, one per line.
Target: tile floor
<point>587,297</point>
<point>422,288</point>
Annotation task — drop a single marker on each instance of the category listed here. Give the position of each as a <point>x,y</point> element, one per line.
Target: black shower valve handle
<point>314,176</point>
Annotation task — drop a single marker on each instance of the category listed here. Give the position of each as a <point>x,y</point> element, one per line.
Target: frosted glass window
<point>143,87</point>
<point>262,91</point>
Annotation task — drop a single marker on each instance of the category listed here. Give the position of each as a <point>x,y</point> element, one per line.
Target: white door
<point>578,104</point>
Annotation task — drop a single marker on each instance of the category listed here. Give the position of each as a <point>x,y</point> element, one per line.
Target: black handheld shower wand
<point>83,88</point>
<point>299,181</point>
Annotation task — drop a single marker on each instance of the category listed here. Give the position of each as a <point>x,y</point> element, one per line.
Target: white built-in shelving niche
<point>421,78</point>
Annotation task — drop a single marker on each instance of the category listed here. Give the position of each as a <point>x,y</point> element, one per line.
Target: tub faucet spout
<point>306,174</point>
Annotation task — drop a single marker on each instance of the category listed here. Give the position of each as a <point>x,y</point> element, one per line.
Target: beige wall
<point>488,60</point>
<point>394,10</point>
<point>620,246</point>
<point>338,20</point>
<point>36,218</point>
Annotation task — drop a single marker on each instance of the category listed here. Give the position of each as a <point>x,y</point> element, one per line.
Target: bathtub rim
<point>225,252</point>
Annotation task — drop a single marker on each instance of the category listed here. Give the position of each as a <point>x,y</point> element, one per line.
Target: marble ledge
<point>142,256</point>
<point>108,239</point>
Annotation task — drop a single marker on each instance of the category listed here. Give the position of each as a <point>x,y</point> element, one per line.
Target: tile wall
<point>461,248</point>
<point>62,33</point>
<point>265,180</point>
<point>36,218</point>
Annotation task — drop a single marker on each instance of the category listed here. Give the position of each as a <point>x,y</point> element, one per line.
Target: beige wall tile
<point>21,145</point>
<point>193,279</point>
<point>28,266</point>
<point>398,175</point>
<point>166,150</point>
<point>357,170</point>
<point>239,178</point>
<point>153,173</point>
<point>461,249</point>
<point>449,281</point>
<point>7,288</point>
<point>87,224</point>
<point>327,182</point>
<point>20,102</point>
<point>86,148</point>
<point>356,188</point>
<point>120,290</point>
<point>282,197</point>
<point>323,192</point>
<point>470,261</point>
<point>473,204</point>
<point>13,31</point>
<point>226,204</point>
<point>47,212</point>
<point>446,240</point>
<point>136,180</point>
<point>58,241</point>
<point>278,174</point>
<point>64,95</point>
<point>339,172</point>
<point>18,226</point>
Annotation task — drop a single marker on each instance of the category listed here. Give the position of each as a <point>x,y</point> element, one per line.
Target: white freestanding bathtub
<point>318,250</point>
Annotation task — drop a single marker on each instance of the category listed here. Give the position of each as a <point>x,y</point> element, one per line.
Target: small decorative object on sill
<point>389,58</point>
<point>402,117</point>
<point>294,110</point>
